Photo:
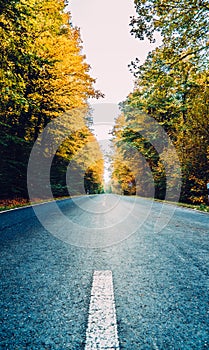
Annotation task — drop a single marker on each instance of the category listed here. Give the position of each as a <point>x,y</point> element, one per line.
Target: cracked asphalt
<point>160,278</point>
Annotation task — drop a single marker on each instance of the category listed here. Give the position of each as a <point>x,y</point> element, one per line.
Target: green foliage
<point>135,160</point>
<point>182,24</point>
<point>171,87</point>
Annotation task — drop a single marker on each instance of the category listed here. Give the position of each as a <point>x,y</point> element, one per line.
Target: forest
<point>44,76</point>
<point>172,88</point>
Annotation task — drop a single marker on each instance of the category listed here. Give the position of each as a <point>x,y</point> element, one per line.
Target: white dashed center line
<point>102,327</point>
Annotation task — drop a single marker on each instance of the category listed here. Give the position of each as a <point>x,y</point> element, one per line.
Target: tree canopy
<point>171,86</point>
<point>43,74</point>
<point>182,22</point>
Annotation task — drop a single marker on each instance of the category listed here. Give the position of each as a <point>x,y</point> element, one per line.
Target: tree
<point>182,24</point>
<point>135,159</point>
<point>176,96</point>
<point>43,74</point>
<point>172,84</point>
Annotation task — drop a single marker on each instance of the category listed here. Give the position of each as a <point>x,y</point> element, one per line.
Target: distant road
<point>160,277</point>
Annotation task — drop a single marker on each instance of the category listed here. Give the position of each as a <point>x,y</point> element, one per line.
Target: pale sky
<point>109,48</point>
<point>108,45</point>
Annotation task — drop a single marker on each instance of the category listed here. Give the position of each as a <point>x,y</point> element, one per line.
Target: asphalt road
<point>160,274</point>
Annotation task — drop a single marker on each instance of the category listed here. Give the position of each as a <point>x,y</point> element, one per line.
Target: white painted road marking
<point>102,327</point>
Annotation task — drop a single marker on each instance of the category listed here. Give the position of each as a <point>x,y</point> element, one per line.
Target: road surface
<point>160,276</point>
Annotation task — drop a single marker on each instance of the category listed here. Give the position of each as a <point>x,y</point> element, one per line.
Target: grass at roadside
<point>201,207</point>
<point>8,204</point>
